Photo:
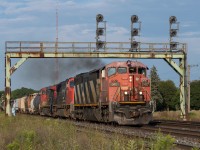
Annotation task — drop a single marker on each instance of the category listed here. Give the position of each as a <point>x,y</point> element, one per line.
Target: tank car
<point>118,92</point>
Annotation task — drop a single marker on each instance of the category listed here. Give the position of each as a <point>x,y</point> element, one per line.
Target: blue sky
<point>34,20</point>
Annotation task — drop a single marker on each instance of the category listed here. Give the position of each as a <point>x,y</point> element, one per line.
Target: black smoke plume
<point>38,73</point>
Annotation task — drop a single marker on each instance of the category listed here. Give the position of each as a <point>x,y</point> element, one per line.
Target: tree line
<point>166,96</point>
<point>18,93</point>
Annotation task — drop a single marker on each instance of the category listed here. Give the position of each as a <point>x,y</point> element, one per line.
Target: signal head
<point>100,44</point>
<point>134,18</point>
<point>134,45</point>
<point>172,19</point>
<point>134,32</point>
<point>99,18</point>
<point>173,45</point>
<point>173,32</point>
<point>100,31</point>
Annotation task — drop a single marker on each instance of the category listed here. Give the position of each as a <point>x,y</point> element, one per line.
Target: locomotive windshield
<point>122,70</point>
<point>111,71</point>
<point>71,84</point>
<point>43,92</point>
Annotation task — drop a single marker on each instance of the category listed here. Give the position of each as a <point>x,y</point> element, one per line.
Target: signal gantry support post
<point>7,85</point>
<point>181,70</point>
<point>188,79</point>
<point>29,49</point>
<point>8,72</point>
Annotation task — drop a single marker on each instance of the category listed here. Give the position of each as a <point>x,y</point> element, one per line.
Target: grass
<point>193,115</point>
<point>26,132</point>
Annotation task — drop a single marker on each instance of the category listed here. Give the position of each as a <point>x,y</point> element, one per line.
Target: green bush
<point>25,140</point>
<point>132,145</point>
<point>163,142</point>
<point>13,146</point>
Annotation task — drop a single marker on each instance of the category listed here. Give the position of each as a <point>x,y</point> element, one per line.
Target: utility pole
<point>188,102</point>
<point>56,47</point>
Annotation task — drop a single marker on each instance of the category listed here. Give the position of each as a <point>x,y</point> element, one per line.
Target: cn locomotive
<point>118,92</point>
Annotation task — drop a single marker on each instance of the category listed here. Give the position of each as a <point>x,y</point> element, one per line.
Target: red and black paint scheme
<point>65,98</point>
<point>117,93</point>
<point>47,100</point>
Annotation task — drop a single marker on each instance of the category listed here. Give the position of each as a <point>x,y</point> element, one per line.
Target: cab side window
<point>111,71</point>
<point>142,71</point>
<point>132,70</point>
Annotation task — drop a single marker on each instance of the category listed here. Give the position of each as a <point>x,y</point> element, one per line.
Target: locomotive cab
<point>47,100</point>
<point>128,90</point>
<point>128,82</point>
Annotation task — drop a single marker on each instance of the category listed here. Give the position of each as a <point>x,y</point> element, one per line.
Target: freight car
<point>21,104</point>
<point>118,92</point>
<point>29,103</point>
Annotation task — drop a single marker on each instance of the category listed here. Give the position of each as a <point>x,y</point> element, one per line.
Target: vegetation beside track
<point>31,132</point>
<point>194,115</point>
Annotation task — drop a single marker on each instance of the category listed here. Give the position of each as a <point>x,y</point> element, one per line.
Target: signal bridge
<point>39,49</point>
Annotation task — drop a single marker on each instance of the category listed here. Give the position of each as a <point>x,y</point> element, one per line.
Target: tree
<point>170,95</point>
<point>155,94</point>
<point>1,96</point>
<point>195,94</point>
<point>21,92</point>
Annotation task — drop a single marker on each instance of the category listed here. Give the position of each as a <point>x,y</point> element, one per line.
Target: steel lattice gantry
<point>26,49</point>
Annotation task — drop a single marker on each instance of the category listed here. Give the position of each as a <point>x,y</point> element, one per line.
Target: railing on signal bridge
<point>75,47</point>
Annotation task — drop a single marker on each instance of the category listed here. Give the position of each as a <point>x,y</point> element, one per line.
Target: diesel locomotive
<point>118,92</point>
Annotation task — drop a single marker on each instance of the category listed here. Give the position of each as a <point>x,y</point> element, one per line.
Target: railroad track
<point>184,140</point>
<point>193,124</point>
<point>179,128</point>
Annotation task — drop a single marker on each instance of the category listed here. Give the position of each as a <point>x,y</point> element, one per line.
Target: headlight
<point>140,92</point>
<point>125,92</point>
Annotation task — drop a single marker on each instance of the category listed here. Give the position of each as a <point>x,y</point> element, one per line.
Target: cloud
<point>18,20</point>
<point>187,24</point>
<point>33,6</point>
<point>190,34</point>
<point>114,29</point>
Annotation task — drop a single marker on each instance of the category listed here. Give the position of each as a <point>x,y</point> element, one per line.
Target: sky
<point>35,20</point>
